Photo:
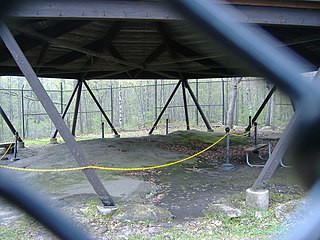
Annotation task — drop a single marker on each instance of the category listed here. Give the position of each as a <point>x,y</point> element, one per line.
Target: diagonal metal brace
<point>53,113</point>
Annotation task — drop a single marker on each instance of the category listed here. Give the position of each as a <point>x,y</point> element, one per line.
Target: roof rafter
<point>188,52</point>
<point>70,46</point>
<point>151,57</point>
<point>27,43</point>
<point>96,46</point>
<point>102,44</point>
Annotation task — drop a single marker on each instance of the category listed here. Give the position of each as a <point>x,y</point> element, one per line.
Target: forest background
<point>136,104</point>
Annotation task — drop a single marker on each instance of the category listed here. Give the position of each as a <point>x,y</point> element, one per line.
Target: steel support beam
<point>76,108</point>
<point>280,149</point>
<point>53,113</point>
<point>185,103</point>
<point>158,11</point>
<point>195,100</point>
<point>8,122</point>
<point>262,106</point>
<point>67,107</point>
<point>165,107</point>
<point>101,109</point>
<point>276,156</point>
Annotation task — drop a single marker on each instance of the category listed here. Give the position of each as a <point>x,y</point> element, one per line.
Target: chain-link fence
<point>136,104</point>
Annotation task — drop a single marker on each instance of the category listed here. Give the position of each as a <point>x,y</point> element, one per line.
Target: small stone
<point>285,211</point>
<point>258,214</point>
<point>223,209</point>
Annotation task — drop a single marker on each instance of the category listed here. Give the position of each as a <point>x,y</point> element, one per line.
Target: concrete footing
<point>106,210</point>
<point>53,141</point>
<point>20,145</point>
<point>257,198</point>
<point>227,167</point>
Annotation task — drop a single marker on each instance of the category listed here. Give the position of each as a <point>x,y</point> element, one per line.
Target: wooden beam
<point>265,12</point>
<point>28,42</point>
<point>41,57</point>
<point>97,46</point>
<point>70,46</point>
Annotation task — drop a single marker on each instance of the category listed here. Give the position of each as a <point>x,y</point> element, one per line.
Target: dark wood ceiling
<point>144,39</point>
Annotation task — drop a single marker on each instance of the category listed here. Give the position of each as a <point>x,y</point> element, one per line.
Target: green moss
<point>188,138</point>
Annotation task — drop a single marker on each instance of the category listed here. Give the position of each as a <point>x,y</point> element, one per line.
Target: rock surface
<point>142,212</point>
<point>285,211</point>
<point>224,210</point>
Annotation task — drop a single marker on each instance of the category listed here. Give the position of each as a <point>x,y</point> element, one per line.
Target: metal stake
<point>102,130</point>
<point>227,166</point>
<point>249,126</point>
<point>255,138</point>
<point>167,126</point>
<point>15,148</point>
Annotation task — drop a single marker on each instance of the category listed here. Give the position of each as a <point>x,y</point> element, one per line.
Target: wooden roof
<point>144,39</point>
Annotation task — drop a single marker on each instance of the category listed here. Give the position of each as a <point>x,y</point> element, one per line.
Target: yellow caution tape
<point>117,168</point>
<point>5,153</point>
<point>114,168</point>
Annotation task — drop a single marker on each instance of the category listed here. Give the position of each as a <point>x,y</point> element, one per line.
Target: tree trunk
<point>120,106</point>
<point>248,97</point>
<point>230,115</point>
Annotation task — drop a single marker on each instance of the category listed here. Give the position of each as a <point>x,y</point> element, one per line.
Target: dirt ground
<point>185,189</point>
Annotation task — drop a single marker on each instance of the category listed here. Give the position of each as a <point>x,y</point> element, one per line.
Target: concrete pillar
<point>53,140</point>
<point>257,198</point>
<point>20,145</point>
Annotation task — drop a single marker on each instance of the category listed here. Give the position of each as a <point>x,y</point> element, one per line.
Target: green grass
<point>36,142</point>
<point>20,230</point>
<point>215,227</point>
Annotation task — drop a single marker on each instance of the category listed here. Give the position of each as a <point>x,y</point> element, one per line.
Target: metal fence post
<point>22,111</point>
<point>197,96</point>
<point>222,101</point>
<point>167,126</point>
<point>111,103</point>
<point>61,98</point>
<point>155,99</point>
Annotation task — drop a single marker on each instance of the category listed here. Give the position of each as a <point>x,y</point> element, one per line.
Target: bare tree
<point>248,96</point>
<point>234,91</point>
<point>120,106</point>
